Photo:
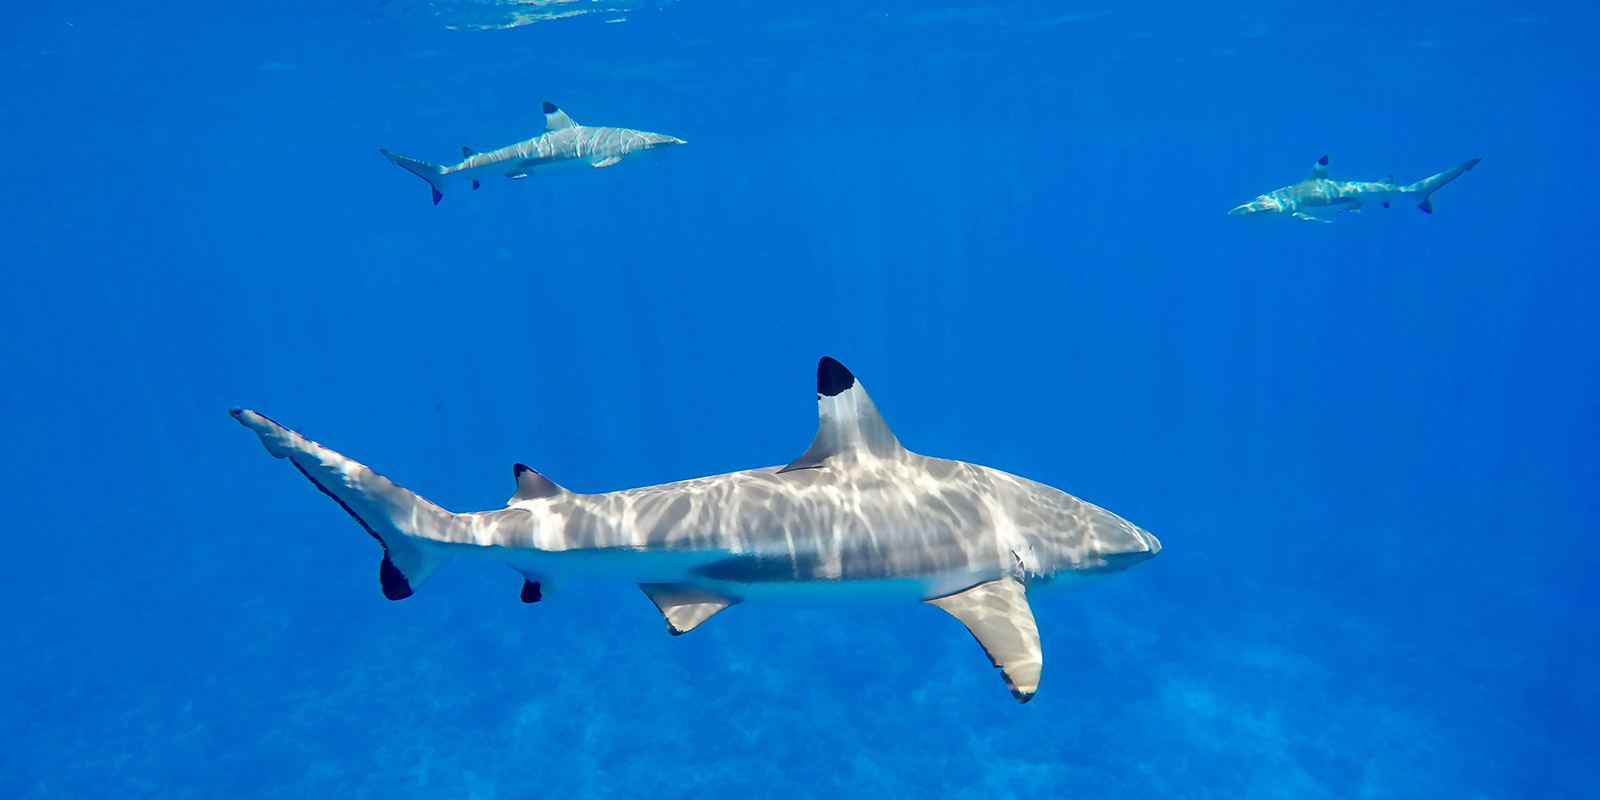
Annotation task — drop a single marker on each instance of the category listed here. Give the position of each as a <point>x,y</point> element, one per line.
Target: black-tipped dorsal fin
<point>467,152</point>
<point>1319,170</point>
<point>532,486</point>
<point>555,119</point>
<point>848,424</point>
<point>1388,180</point>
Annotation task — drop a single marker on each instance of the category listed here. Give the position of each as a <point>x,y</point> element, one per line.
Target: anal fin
<point>998,615</point>
<point>683,606</point>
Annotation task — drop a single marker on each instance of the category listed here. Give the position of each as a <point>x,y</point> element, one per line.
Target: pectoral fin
<point>606,162</point>
<point>684,606</point>
<point>998,616</point>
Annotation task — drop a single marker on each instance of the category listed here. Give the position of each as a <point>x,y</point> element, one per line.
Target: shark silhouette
<point>1319,198</point>
<point>563,141</point>
<point>857,518</point>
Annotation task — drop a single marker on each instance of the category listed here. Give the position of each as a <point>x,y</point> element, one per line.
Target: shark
<point>856,519</point>
<point>562,142</point>
<point>1320,198</point>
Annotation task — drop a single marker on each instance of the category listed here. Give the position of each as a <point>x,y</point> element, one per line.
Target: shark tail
<point>426,170</point>
<point>1427,186</point>
<point>415,533</point>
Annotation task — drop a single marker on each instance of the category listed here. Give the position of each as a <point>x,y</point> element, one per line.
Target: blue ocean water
<point>1369,448</point>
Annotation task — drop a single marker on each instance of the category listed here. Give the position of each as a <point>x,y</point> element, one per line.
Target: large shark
<point>1318,198</point>
<point>857,518</point>
<point>562,141</point>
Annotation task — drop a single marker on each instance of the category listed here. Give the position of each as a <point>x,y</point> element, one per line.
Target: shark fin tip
<point>394,583</point>
<point>1323,161</point>
<point>531,591</point>
<point>549,107</point>
<point>832,378</point>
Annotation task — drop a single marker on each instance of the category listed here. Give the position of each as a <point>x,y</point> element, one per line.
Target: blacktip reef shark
<point>857,519</point>
<point>562,141</point>
<point>1319,198</point>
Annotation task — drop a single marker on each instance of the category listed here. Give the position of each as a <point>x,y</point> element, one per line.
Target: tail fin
<point>413,531</point>
<point>1427,186</point>
<point>426,170</point>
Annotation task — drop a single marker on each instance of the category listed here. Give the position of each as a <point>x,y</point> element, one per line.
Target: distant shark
<point>1318,198</point>
<point>856,519</point>
<point>562,141</point>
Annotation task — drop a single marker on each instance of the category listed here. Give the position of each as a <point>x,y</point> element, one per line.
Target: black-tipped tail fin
<point>410,529</point>
<point>433,173</point>
<point>1427,186</point>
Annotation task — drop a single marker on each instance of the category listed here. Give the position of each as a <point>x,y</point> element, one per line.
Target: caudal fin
<point>1427,186</point>
<point>426,170</point>
<point>414,532</point>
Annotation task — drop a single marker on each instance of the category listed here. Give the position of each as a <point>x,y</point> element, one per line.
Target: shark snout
<point>1260,205</point>
<point>1152,544</point>
<point>659,140</point>
<point>1139,548</point>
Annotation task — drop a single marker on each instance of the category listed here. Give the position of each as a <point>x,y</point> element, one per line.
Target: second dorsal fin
<point>532,486</point>
<point>848,424</point>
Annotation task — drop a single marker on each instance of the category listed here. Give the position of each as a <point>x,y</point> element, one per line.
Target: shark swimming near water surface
<point>856,519</point>
<point>563,141</point>
<point>1319,198</point>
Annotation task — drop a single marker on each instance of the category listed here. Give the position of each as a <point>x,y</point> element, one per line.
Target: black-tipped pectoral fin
<point>998,615</point>
<point>684,607</point>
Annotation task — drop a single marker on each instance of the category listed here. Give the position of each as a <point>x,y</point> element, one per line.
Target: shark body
<point>1319,198</point>
<point>563,141</point>
<point>856,519</point>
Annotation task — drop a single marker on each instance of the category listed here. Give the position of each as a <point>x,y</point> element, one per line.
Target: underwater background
<point>1369,448</point>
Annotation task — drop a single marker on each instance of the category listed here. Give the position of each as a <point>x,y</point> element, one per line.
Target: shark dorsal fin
<point>533,486</point>
<point>848,424</point>
<point>1388,180</point>
<point>555,119</point>
<point>467,152</point>
<point>1319,170</point>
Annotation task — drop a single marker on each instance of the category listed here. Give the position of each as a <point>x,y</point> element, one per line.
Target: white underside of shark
<point>1320,199</point>
<point>563,143</point>
<point>855,519</point>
